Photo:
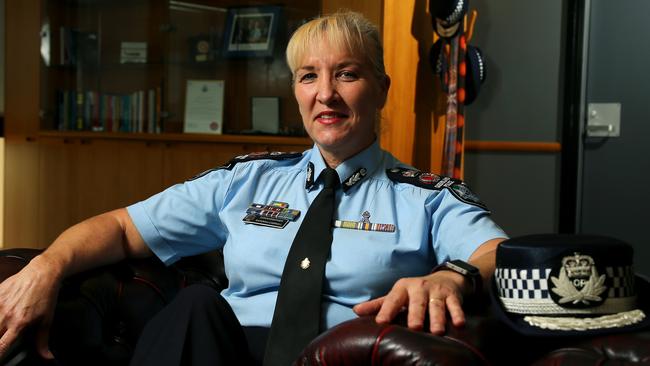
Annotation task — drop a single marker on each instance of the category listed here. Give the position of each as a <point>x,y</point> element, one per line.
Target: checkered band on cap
<point>526,291</point>
<point>522,283</point>
<point>622,279</point>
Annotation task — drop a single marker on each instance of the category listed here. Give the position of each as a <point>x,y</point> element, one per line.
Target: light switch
<point>604,120</point>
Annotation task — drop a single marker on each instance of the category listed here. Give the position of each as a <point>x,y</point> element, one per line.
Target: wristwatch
<point>465,269</point>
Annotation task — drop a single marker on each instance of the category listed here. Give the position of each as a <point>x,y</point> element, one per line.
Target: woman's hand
<point>438,294</point>
<point>27,299</point>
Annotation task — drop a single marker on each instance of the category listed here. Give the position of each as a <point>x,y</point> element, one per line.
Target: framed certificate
<point>204,106</point>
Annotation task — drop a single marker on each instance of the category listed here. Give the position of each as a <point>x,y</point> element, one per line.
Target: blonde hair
<point>343,30</point>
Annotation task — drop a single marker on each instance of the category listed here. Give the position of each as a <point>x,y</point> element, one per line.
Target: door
<point>616,170</point>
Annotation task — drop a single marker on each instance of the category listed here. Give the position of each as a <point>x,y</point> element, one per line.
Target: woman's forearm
<point>100,240</point>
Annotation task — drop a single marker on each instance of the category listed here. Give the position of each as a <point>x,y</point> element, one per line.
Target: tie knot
<point>330,178</point>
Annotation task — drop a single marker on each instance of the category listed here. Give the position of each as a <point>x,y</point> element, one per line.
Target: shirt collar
<point>351,171</point>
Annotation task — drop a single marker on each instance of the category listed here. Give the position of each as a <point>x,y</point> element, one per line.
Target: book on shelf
<point>91,110</point>
<point>107,115</point>
<point>95,111</point>
<point>79,111</point>
<point>72,108</point>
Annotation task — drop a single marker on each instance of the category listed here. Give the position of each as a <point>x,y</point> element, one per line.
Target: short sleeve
<point>183,220</point>
<point>459,228</point>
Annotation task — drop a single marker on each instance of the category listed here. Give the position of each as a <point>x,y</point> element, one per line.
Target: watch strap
<point>470,272</point>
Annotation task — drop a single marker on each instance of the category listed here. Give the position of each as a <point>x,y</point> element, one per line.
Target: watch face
<point>463,268</point>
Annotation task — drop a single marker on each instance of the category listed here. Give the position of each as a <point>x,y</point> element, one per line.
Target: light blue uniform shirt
<point>206,213</point>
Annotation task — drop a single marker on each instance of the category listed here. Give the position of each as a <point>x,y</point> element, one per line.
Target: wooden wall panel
<point>410,128</point>
<point>57,189</point>
<point>183,160</point>
<point>22,42</point>
<point>112,174</point>
<point>397,132</point>
<point>21,202</point>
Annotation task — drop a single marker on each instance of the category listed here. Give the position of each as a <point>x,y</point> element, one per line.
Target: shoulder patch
<point>262,155</point>
<point>458,188</point>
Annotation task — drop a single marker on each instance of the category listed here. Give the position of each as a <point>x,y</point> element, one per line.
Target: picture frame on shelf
<point>204,47</point>
<point>133,52</point>
<point>251,31</point>
<point>265,115</point>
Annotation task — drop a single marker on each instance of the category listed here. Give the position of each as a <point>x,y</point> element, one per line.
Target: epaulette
<point>457,187</point>
<point>262,155</point>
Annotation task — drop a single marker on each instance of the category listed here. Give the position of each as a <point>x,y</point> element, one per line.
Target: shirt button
<point>305,263</point>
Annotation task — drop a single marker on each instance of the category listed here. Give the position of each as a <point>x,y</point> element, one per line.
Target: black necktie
<point>296,320</point>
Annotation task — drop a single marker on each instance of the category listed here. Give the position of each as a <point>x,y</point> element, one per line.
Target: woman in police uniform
<point>392,225</point>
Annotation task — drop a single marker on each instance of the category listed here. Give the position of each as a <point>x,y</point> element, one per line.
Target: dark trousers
<point>199,328</point>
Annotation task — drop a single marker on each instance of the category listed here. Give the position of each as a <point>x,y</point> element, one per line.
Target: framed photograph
<point>251,31</point>
<point>265,114</point>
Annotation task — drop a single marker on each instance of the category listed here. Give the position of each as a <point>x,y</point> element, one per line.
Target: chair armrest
<point>100,313</point>
<point>13,260</point>
<point>364,342</point>
<point>619,349</point>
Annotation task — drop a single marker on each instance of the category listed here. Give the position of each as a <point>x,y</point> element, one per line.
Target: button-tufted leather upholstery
<point>110,306</point>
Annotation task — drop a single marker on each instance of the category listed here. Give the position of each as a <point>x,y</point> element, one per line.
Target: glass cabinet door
<point>151,66</point>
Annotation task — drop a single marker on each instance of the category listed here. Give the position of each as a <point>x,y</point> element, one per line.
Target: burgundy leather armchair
<point>116,301</point>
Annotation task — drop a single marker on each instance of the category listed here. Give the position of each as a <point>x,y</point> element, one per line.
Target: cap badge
<point>410,173</point>
<point>579,283</point>
<point>354,179</point>
<point>309,181</point>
